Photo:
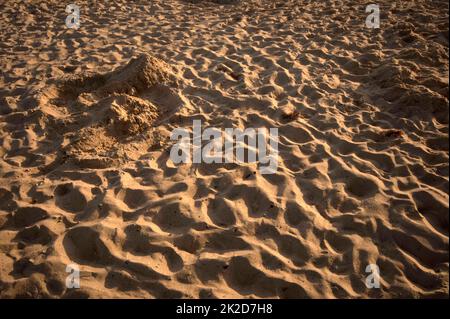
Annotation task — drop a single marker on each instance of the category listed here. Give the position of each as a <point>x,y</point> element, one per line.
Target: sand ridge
<point>85,174</point>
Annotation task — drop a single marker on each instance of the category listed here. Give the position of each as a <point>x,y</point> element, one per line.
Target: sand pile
<point>128,115</point>
<point>140,74</point>
<point>108,115</point>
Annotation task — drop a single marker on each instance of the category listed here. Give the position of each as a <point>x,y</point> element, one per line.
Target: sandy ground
<point>86,179</point>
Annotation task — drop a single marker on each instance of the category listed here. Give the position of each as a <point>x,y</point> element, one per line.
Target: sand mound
<point>108,115</point>
<point>128,115</point>
<point>138,75</point>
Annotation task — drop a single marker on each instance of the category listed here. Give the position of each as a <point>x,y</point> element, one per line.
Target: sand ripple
<point>85,175</point>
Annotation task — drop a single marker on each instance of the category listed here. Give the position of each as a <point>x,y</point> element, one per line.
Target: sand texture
<point>363,166</point>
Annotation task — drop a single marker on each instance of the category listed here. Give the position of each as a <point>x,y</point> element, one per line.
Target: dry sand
<point>85,175</point>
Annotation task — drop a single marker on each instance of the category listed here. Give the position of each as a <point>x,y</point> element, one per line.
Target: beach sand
<point>86,178</point>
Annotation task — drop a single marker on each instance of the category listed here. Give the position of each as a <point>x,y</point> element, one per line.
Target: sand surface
<point>86,178</point>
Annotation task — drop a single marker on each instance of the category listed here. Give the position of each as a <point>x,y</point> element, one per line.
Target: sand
<point>86,178</point>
